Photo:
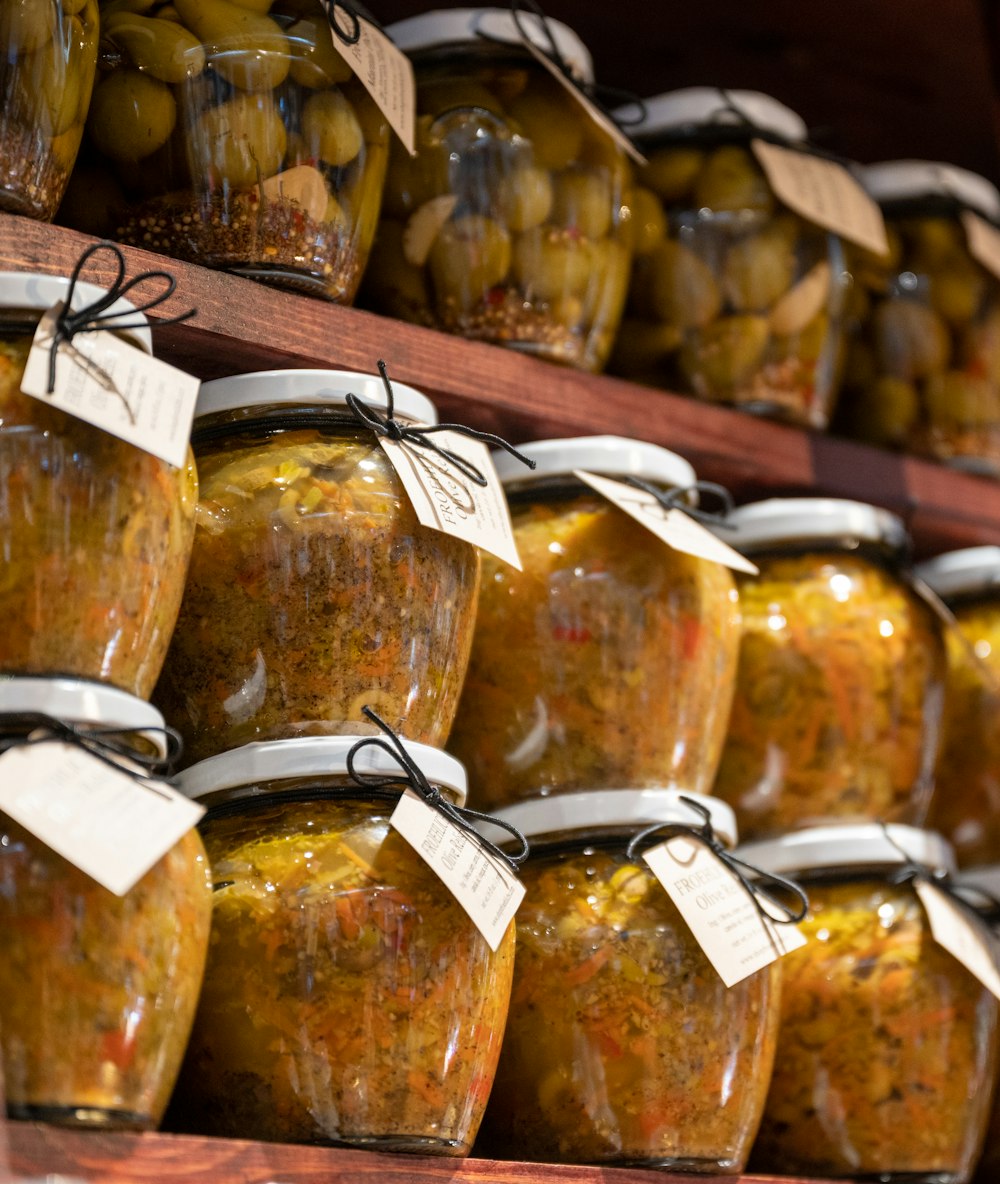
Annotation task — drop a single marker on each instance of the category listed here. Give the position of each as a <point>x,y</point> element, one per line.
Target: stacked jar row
<point>319,906</point>
<point>241,136</point>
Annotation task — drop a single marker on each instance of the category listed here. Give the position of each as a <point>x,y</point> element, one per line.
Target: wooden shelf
<point>165,1159</point>
<point>242,326</point>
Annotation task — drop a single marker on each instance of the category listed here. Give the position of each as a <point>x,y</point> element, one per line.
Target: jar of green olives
<point>48,55</point>
<point>240,138</point>
<point>923,369</point>
<point>507,226</point>
<point>733,298</point>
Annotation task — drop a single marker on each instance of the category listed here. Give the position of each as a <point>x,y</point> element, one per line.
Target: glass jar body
<point>507,226</point>
<point>838,696</point>
<point>242,142</point>
<point>97,992</point>
<point>733,298</point>
<point>923,370</point>
<point>97,536</point>
<point>608,662</point>
<point>623,1045</point>
<point>887,1050</point>
<point>313,591</point>
<point>966,803</point>
<point>46,77</point>
<point>348,997</point>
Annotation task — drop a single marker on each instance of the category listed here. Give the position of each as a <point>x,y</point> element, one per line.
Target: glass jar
<point>609,660</point>
<point>348,997</point>
<point>733,298</point>
<point>313,590</point>
<point>508,224</point>
<point>887,1049</point>
<point>966,803</point>
<point>923,368</point>
<point>48,57</point>
<point>97,991</point>
<point>96,532</point>
<point>623,1044</point>
<point>840,682</point>
<point>241,139</point>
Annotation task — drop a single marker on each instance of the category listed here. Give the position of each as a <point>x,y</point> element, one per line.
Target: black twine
<point>677,498</point>
<point>912,870</point>
<point>413,776</point>
<point>112,745</point>
<point>94,316</point>
<point>759,885</point>
<point>355,11</point>
<point>387,425</point>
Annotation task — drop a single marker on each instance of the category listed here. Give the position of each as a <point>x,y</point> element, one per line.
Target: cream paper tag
<point>673,527</point>
<point>718,910</point>
<point>116,387</point>
<point>113,828</point>
<point>983,240</point>
<point>823,192</point>
<point>485,888</point>
<point>962,934</point>
<point>596,114</point>
<point>386,73</point>
<point>445,499</point>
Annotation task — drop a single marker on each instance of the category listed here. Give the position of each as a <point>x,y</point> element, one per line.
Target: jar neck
<point>886,555</point>
<point>927,205</point>
<point>19,322</point>
<point>246,799</point>
<point>261,422</point>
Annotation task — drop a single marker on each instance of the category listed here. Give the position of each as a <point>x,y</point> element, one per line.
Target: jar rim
<point>39,292</point>
<point>810,519</point>
<point>866,846</point>
<point>959,573</point>
<point>895,180</point>
<point>463,26</point>
<point>590,811</point>
<point>316,388</point>
<point>81,701</point>
<point>609,456</point>
<point>691,107</point>
<point>285,760</point>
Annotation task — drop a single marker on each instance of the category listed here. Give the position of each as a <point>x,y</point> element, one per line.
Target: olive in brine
<point>731,181</point>
<point>331,129</point>
<point>470,256</point>
<point>26,25</point>
<point>131,115</point>
<point>252,52</point>
<point>243,141</point>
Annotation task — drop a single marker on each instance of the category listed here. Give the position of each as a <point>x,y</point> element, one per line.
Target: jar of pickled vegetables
<point>348,997</point>
<point>96,532</point>
<point>840,682</point>
<point>508,224</point>
<point>923,369</point>
<point>966,803</point>
<point>48,58</point>
<point>610,660</point>
<point>313,589</point>
<point>733,298</point>
<point>887,1049</point>
<point>240,139</point>
<point>97,991</point>
<point>623,1044</point>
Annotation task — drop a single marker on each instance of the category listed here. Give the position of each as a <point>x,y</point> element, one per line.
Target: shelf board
<point>242,325</point>
<point>118,1158</point>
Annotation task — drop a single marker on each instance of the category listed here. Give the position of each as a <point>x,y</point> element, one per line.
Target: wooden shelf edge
<point>242,325</point>
<point>154,1158</point>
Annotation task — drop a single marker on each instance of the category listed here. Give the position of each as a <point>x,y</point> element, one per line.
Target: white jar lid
<point>698,106</point>
<point>827,848</point>
<point>316,756</point>
<point>894,180</point>
<point>808,519</point>
<point>76,701</point>
<point>955,573</point>
<point>458,26</point>
<point>610,809</point>
<point>608,456</point>
<point>320,388</point>
<point>28,289</point>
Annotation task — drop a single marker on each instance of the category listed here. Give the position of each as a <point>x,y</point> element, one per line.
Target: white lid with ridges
<point>805,519</point>
<point>608,456</point>
<point>320,388</point>
<point>26,289</point>
<point>866,845</point>
<point>896,180</point>
<point>316,756</point>
<point>697,106</point>
<point>959,573</point>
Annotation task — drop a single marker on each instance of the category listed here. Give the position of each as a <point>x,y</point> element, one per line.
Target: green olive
<point>934,242</point>
<point>911,339</point>
<point>411,181</point>
<point>524,197</point>
<point>254,5</point>
<point>26,25</point>
<point>758,269</point>
<point>724,356</point>
<point>550,265</point>
<point>683,290</point>
<point>885,413</point>
<point>956,292</point>
<point>72,7</point>
<point>732,181</point>
<point>241,142</point>
<point>955,399</point>
<point>583,202</point>
<point>671,172</point>
<point>646,226</point>
<point>131,115</point>
<point>160,48</point>
<point>331,129</point>
<point>391,284</point>
<point>249,49</point>
<point>470,256</point>
<point>548,118</point>
<point>806,344</point>
<point>316,63</point>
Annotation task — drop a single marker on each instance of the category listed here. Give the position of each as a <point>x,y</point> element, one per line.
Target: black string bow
<point>110,744</point>
<point>412,775</point>
<point>759,885</point>
<point>912,870</point>
<point>356,13</point>
<point>677,498</point>
<point>387,425</point>
<point>95,315</point>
